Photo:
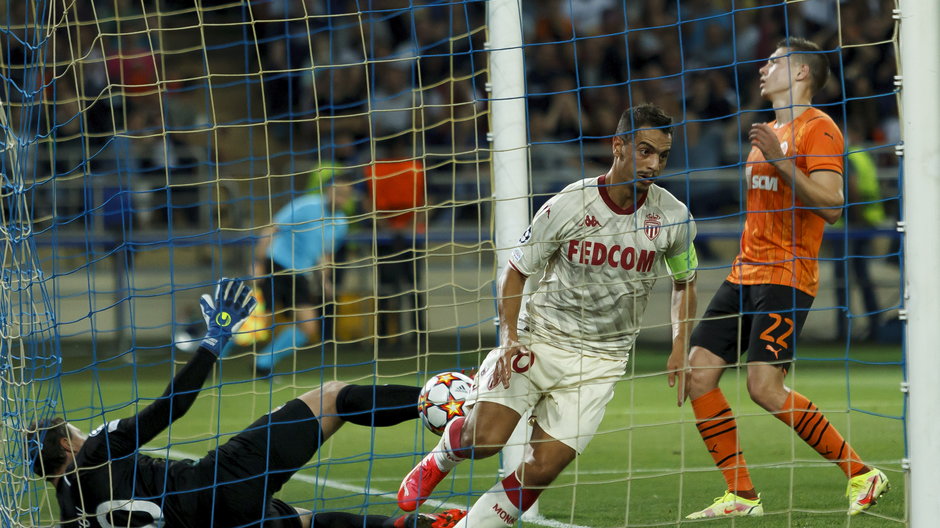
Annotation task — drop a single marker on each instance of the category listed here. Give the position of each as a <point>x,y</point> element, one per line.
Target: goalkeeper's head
<point>51,445</point>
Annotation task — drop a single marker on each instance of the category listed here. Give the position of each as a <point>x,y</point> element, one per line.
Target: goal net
<point>151,148</point>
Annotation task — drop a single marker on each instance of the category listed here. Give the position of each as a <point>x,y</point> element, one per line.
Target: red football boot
<point>420,482</point>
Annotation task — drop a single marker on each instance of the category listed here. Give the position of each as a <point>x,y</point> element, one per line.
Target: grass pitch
<point>646,467</point>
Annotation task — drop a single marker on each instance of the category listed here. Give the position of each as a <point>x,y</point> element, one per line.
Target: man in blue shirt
<point>294,263</point>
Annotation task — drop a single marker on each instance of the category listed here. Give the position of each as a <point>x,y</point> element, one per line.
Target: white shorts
<point>567,392</point>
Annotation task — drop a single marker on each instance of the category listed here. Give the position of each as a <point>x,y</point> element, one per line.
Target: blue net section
<point>337,154</point>
<point>30,362</point>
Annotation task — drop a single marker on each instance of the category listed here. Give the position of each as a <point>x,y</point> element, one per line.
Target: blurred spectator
<point>93,70</point>
<point>656,85</point>
<point>587,16</point>
<point>747,34</point>
<point>397,193</point>
<point>166,190</point>
<point>614,64</point>
<point>286,38</point>
<point>336,162</point>
<point>339,93</point>
<point>590,63</point>
<point>707,34</point>
<point>819,19</point>
<point>851,247</point>
<point>563,119</point>
<point>542,61</point>
<point>294,264</point>
<point>393,99</point>
<point>282,89</point>
<point>696,150</point>
<point>438,55</point>
<point>451,116</point>
<point>720,46</point>
<point>598,102</point>
<point>547,21</point>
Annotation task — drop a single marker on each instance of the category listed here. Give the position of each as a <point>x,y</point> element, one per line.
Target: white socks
<point>444,452</point>
<point>492,510</point>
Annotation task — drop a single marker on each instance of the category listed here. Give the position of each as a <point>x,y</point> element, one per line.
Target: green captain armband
<point>683,266</point>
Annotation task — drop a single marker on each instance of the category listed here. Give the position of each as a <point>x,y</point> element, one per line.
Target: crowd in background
<point>340,87</point>
<point>335,81</point>
<point>585,61</point>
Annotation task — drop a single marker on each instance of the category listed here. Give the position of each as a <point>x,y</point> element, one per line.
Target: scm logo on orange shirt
<point>762,181</point>
<point>598,254</point>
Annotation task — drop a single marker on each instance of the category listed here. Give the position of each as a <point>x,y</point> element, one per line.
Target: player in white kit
<point>601,243</point>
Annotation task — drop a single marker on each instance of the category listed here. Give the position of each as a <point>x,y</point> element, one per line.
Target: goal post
<point>510,161</point>
<point>508,117</point>
<point>920,69</point>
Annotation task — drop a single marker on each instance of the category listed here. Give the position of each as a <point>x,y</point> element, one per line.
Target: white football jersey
<point>600,263</point>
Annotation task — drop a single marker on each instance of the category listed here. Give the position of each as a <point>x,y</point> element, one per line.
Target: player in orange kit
<point>794,186</point>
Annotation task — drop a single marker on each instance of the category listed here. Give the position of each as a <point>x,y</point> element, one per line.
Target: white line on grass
<point>674,470</point>
<point>434,503</point>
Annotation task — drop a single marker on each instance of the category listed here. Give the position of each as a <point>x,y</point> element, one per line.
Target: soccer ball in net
<point>442,400</point>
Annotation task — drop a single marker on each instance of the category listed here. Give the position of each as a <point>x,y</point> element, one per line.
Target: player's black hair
<point>809,53</point>
<point>45,451</point>
<point>646,115</point>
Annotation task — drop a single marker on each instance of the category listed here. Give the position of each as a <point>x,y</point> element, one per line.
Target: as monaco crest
<point>652,226</point>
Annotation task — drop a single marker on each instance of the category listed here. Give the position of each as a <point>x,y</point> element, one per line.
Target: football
<point>257,328</point>
<point>442,399</point>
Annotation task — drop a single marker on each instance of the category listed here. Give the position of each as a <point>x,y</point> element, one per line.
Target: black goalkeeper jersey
<point>111,484</point>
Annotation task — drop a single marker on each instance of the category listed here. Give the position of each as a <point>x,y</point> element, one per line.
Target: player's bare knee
<point>322,400</point>
<point>767,401</point>
<point>766,395</point>
<point>705,373</point>
<point>542,468</point>
<point>306,517</point>
<point>483,442</point>
<point>485,451</point>
<point>330,392</point>
<point>765,386</point>
<point>537,476</point>
<point>700,382</point>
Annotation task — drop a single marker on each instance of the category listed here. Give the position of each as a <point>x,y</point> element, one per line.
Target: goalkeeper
<point>102,480</point>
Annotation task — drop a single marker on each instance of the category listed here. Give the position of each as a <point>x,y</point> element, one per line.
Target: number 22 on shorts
<point>781,340</point>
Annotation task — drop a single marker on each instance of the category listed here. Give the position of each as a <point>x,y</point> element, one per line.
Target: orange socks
<point>810,424</point>
<point>719,430</point>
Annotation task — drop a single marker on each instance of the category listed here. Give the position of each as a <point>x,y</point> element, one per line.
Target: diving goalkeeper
<point>103,480</point>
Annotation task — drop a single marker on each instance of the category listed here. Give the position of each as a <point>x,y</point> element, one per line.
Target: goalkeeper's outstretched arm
<point>224,314</point>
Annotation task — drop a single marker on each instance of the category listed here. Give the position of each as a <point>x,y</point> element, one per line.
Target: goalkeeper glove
<point>225,313</point>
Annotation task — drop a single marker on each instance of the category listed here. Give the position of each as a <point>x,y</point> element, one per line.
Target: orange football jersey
<point>397,185</point>
<point>781,239</point>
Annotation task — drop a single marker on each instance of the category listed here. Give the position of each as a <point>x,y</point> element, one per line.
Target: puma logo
<point>776,351</point>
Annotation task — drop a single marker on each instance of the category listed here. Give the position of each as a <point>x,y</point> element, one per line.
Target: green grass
<point>646,467</point>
